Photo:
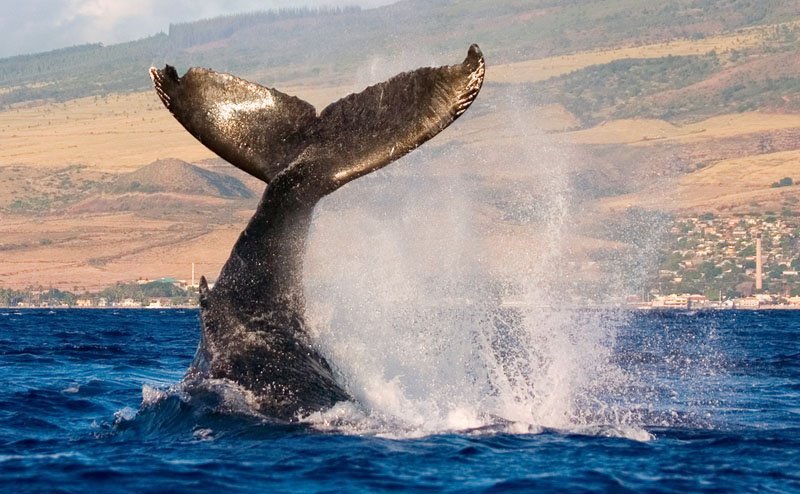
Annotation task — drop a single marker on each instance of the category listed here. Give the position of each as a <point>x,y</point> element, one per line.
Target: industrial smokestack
<point>758,264</point>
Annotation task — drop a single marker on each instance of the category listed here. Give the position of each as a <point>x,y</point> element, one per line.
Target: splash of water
<point>406,299</point>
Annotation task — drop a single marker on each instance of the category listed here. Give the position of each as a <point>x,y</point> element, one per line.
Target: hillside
<point>81,229</point>
<point>177,176</point>
<point>599,123</point>
<point>312,45</point>
<point>682,61</point>
<point>80,189</point>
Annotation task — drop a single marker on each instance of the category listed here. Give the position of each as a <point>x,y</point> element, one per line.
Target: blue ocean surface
<point>707,402</point>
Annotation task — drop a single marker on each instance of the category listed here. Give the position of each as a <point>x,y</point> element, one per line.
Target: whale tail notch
<point>266,132</point>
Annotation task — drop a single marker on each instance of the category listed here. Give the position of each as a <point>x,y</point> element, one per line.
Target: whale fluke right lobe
<point>368,130</point>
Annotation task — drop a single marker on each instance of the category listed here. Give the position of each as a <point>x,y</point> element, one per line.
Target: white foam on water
<point>152,395</point>
<point>72,389</point>
<point>126,414</point>
<point>203,434</point>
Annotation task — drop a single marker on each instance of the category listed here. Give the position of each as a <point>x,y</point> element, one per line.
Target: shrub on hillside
<point>784,182</point>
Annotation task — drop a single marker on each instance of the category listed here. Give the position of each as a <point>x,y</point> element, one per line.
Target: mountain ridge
<point>335,42</point>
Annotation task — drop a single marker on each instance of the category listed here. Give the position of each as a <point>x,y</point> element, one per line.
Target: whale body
<point>252,320</point>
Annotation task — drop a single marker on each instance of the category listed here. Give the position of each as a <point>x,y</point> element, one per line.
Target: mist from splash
<point>403,300</point>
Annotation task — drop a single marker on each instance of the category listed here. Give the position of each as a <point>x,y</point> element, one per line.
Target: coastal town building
<point>727,258</point>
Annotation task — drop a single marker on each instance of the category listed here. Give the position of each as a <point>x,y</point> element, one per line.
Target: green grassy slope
<point>292,45</point>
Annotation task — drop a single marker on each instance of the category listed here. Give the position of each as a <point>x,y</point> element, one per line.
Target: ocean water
<point>90,401</point>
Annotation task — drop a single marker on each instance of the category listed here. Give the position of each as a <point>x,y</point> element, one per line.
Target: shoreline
<point>614,308</point>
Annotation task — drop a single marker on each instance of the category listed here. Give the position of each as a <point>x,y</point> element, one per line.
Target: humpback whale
<point>253,332</point>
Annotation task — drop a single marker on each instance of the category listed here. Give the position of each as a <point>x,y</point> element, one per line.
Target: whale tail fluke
<point>264,132</point>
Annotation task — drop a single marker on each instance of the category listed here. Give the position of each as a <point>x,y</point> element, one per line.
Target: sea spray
<point>428,337</point>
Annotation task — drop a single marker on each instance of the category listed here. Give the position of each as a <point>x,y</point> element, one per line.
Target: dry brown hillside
<point>104,189</point>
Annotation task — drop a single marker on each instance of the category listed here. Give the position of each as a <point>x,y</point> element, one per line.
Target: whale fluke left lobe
<point>257,129</point>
